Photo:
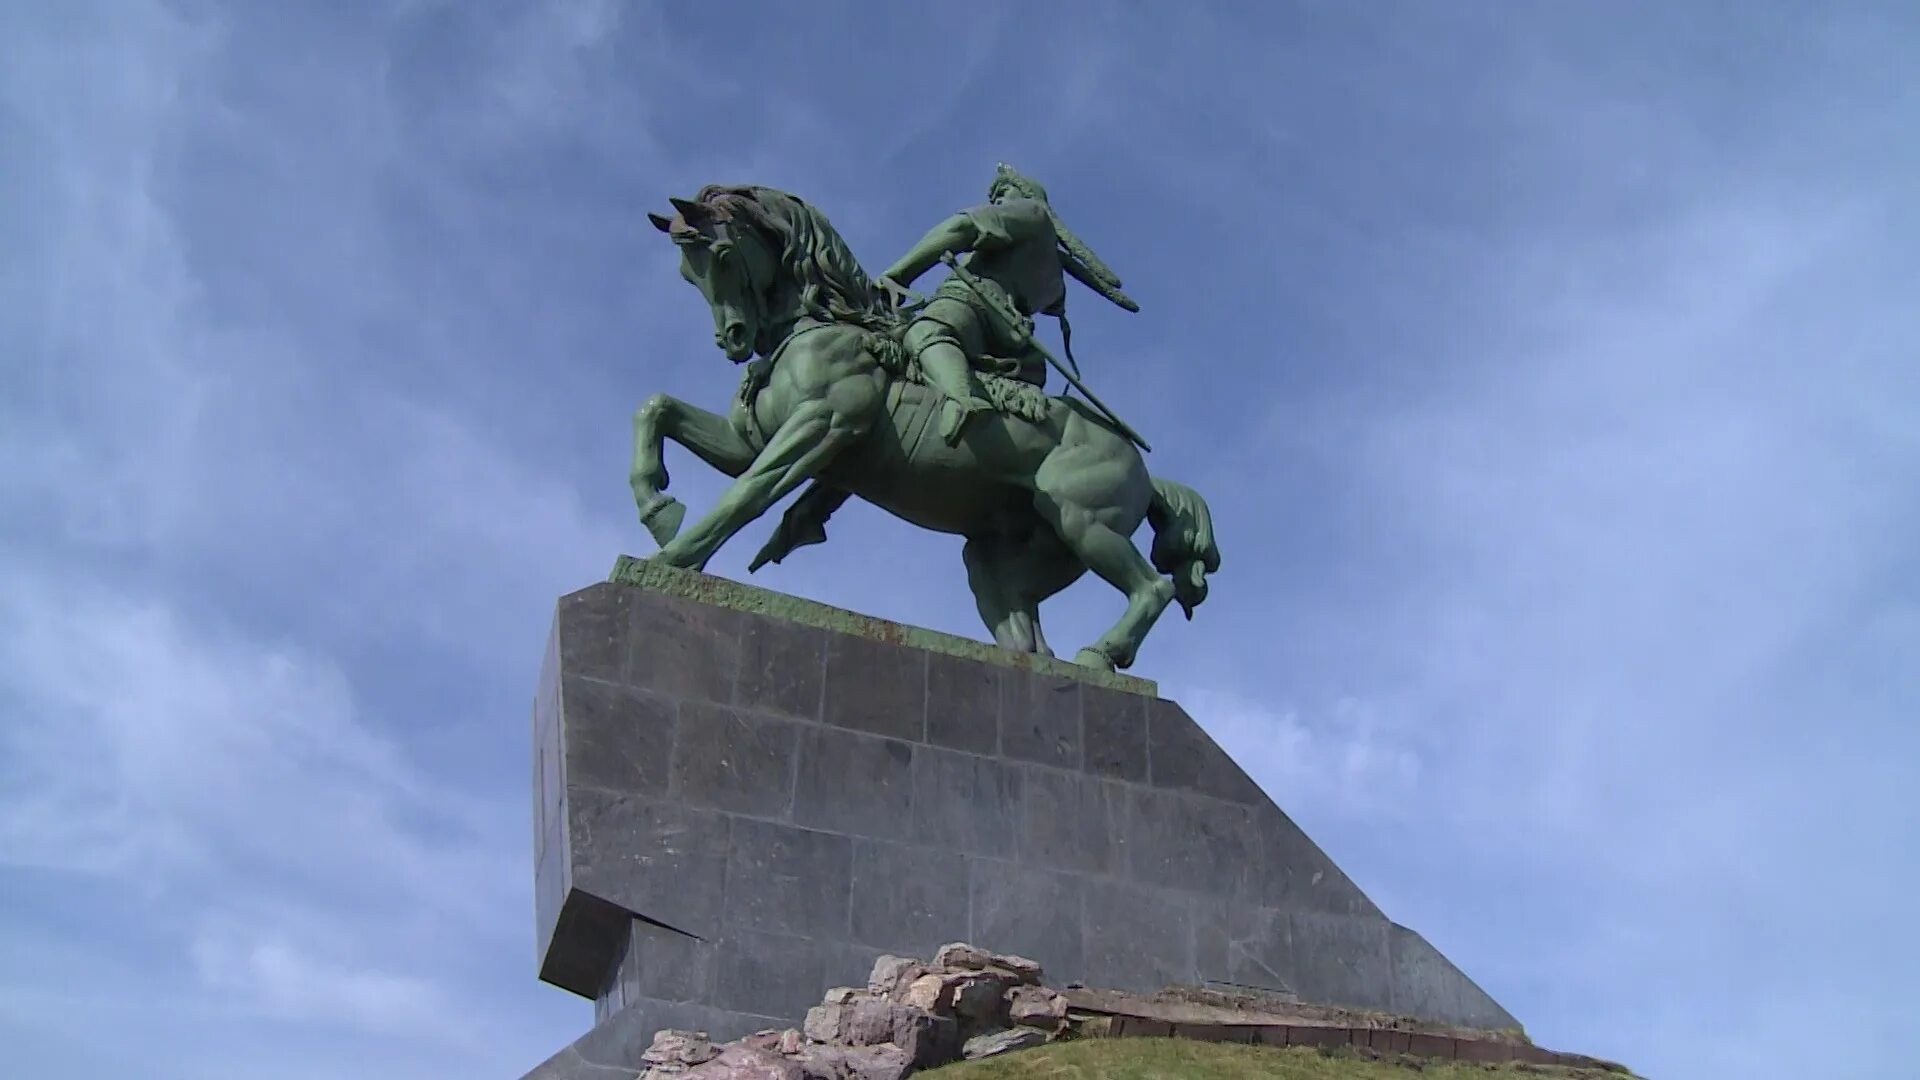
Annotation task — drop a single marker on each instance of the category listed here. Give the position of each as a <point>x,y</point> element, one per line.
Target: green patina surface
<point>727,593</point>
<point>854,387</point>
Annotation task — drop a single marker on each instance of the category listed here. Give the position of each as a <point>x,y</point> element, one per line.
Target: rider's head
<point>1009,184</point>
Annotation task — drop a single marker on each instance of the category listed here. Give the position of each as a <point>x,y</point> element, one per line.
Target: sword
<point>1011,322</point>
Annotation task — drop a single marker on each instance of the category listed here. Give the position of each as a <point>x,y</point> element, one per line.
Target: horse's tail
<point>1183,544</point>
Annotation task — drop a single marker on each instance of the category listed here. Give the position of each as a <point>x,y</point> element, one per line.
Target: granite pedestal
<point>742,799</point>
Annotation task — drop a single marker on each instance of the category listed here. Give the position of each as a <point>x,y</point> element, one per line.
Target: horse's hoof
<point>1093,658</point>
<point>662,517</point>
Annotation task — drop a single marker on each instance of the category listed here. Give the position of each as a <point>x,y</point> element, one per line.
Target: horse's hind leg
<point>1010,577</point>
<point>710,436</point>
<point>990,596</point>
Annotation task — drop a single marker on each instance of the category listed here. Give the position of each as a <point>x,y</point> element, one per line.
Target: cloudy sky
<point>1550,370</point>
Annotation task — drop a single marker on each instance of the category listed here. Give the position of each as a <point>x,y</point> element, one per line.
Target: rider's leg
<point>942,354</point>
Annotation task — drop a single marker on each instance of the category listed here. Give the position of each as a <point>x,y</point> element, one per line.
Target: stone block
<point>735,810</point>
<point>1259,949</point>
<point>1114,724</point>
<point>1341,960</point>
<point>664,965</point>
<point>1425,983</point>
<point>617,738</point>
<point>850,963</point>
<point>727,759</point>
<point>1286,869</point>
<point>684,650</point>
<point>928,1040</point>
<point>660,860</point>
<point>1183,756</point>
<point>1389,1041</point>
<point>963,704</point>
<point>1040,719</point>
<point>1137,938</point>
<point>549,784</point>
<point>788,880</point>
<point>907,899</point>
<point>782,668</point>
<point>592,629</point>
<point>550,885</point>
<point>853,783</point>
<point>583,943</point>
<point>964,803</point>
<point>1030,911</point>
<point>868,1021</point>
<point>1179,841</point>
<point>1324,1038</point>
<point>1212,934</point>
<point>876,687</point>
<point>1065,821</point>
<point>770,974</point>
<point>995,1043</point>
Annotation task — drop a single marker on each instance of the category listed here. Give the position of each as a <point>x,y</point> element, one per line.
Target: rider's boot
<point>947,369</point>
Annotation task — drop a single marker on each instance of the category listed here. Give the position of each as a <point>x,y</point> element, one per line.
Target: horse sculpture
<point>828,398</point>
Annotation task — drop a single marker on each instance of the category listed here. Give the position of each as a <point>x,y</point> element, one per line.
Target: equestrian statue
<point>931,408</point>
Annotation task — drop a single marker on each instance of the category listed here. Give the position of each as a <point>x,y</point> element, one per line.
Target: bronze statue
<point>854,394</point>
<point>1016,252</point>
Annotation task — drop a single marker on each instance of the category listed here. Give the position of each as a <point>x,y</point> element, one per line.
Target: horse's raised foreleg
<point>711,437</point>
<point>813,434</point>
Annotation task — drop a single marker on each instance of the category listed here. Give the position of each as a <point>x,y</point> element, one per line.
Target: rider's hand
<point>894,293</point>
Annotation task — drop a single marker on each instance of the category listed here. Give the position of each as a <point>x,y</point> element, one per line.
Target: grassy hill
<point>1185,1059</point>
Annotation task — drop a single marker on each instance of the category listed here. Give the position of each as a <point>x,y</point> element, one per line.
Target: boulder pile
<point>964,1003</point>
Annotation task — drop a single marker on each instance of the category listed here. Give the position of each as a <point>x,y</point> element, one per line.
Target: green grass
<point>1187,1059</point>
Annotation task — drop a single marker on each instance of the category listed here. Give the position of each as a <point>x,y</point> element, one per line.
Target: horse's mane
<point>833,287</point>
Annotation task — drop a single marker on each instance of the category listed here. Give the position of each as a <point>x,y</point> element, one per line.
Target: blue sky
<point>1549,368</point>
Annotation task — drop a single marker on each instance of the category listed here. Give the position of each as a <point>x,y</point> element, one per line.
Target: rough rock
<point>1026,971</point>
<point>822,1062</point>
<point>928,993</point>
<point>1037,1007</point>
<point>867,1022</point>
<point>746,1063</point>
<point>683,1048</point>
<point>1000,1042</point>
<point>979,998</point>
<point>911,1015</point>
<point>883,1062</point>
<point>928,1040</point>
<point>824,1023</point>
<point>960,956</point>
<point>889,973</point>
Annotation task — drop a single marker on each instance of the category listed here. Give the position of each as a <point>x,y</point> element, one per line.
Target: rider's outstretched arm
<point>954,236</point>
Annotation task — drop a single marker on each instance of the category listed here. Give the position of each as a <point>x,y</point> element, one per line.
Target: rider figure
<point>1014,244</point>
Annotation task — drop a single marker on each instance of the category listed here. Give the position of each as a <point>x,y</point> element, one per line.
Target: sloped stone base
<point>742,798</point>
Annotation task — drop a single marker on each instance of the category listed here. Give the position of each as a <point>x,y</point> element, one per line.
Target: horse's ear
<point>664,224</point>
<point>693,213</point>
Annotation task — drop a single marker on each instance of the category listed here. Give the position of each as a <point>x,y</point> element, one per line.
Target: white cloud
<point>1356,760</point>
<point>283,979</point>
<point>1604,676</point>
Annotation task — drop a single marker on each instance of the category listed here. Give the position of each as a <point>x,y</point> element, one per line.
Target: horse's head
<point>732,265</point>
